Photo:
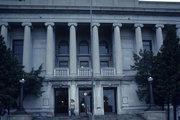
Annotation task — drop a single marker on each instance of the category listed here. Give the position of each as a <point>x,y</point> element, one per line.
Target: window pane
<point>83,48</point>
<point>63,48</point>
<point>147,45</point>
<point>103,48</point>
<point>104,64</point>
<point>84,64</point>
<point>63,64</point>
<point>18,50</point>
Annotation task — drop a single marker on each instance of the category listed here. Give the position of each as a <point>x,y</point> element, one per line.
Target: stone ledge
<point>20,117</point>
<point>155,115</point>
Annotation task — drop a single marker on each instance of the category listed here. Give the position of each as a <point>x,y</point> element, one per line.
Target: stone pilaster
<point>98,100</point>
<point>50,49</point>
<point>73,95</point>
<point>95,49</point>
<point>27,47</point>
<point>178,31</point>
<point>4,32</point>
<point>159,36</point>
<point>119,99</point>
<point>117,49</point>
<point>72,43</point>
<point>138,35</point>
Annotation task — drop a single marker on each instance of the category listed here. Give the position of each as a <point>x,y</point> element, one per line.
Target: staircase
<point>102,117</point>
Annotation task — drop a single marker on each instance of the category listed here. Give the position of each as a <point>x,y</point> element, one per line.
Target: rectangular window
<point>84,64</point>
<point>147,45</point>
<point>104,64</point>
<point>63,64</point>
<point>18,50</point>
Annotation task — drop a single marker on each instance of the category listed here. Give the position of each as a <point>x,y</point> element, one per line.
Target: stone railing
<point>61,72</point>
<point>108,71</point>
<point>84,72</point>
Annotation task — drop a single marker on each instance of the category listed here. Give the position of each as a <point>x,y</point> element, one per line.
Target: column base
<point>96,74</point>
<point>73,74</point>
<point>120,74</point>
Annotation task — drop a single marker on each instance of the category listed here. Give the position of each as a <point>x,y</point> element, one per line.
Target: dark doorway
<point>61,101</point>
<point>85,101</point>
<point>110,100</point>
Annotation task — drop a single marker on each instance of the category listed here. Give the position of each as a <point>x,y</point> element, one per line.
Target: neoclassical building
<point>85,57</point>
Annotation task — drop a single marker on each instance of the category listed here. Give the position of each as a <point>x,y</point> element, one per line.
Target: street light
<point>21,108</point>
<point>150,80</point>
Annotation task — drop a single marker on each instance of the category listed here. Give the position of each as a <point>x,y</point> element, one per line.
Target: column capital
<point>138,25</point>
<point>159,25</point>
<point>49,23</point>
<point>5,24</point>
<point>178,26</point>
<point>95,24</point>
<point>72,24</point>
<point>117,25</point>
<point>27,24</point>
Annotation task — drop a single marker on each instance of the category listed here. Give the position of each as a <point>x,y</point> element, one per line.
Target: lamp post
<point>150,80</point>
<point>21,108</point>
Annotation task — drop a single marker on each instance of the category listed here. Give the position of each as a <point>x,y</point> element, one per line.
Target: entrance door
<point>109,100</point>
<point>61,101</point>
<point>85,101</point>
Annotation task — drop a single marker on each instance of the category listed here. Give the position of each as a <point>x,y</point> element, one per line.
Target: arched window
<point>63,47</point>
<point>83,47</point>
<point>103,47</point>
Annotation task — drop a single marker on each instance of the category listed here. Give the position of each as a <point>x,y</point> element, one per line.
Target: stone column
<point>95,49</point>
<point>117,49</point>
<point>72,44</point>
<point>178,31</point>
<point>159,36</point>
<point>50,49</point>
<point>27,47</point>
<point>4,32</point>
<point>138,34</point>
<point>98,100</point>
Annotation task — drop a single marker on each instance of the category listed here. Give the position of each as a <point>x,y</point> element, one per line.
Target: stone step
<point>102,117</point>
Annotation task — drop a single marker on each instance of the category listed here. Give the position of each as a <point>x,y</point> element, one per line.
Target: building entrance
<point>61,101</point>
<point>110,100</point>
<point>85,101</point>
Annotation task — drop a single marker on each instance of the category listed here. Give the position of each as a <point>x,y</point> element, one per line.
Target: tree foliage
<point>143,65</point>
<point>10,74</point>
<point>164,68</point>
<point>33,82</point>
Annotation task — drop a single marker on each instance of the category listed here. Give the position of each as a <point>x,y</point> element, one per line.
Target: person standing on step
<point>72,107</point>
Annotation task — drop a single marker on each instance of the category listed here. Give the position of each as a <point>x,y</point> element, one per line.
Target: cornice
<point>85,10</point>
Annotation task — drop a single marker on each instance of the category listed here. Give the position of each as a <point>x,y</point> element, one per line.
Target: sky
<point>162,0</point>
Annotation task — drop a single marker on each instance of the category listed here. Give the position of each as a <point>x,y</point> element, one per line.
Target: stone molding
<point>29,24</point>
<point>4,24</point>
<point>138,25</point>
<point>159,26</point>
<point>178,26</point>
<point>72,24</point>
<point>117,25</point>
<point>49,23</point>
<point>95,24</point>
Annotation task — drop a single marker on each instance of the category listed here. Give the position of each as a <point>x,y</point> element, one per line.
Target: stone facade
<point>100,57</point>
